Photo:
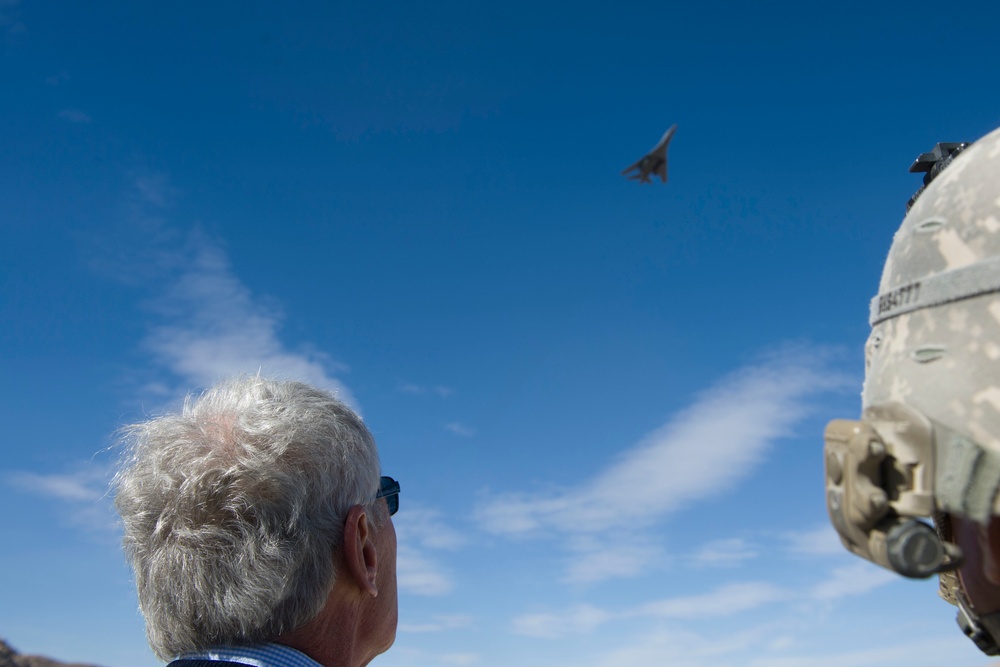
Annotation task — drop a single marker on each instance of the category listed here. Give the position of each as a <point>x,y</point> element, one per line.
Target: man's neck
<point>335,638</point>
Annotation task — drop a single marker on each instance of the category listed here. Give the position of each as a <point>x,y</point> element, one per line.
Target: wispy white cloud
<point>74,116</point>
<point>705,450</point>
<point>420,531</point>
<point>594,558</point>
<point>766,645</point>
<point>576,620</point>
<point>941,650</point>
<point>207,323</point>
<point>459,658</point>
<point>721,602</point>
<point>460,429</point>
<point>414,657</point>
<point>855,579</point>
<point>724,553</point>
<point>819,541</point>
<point>680,647</point>
<point>437,623</point>
<point>417,574</point>
<point>724,601</point>
<point>769,644</point>
<point>427,529</point>
<point>212,327</point>
<point>83,493</point>
<point>87,485</point>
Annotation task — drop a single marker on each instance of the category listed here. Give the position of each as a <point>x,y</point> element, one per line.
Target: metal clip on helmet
<point>927,446</point>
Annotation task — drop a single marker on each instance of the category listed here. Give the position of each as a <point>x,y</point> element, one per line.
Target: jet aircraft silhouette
<point>653,162</point>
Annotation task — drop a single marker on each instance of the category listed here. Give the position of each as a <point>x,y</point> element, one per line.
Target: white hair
<point>233,510</point>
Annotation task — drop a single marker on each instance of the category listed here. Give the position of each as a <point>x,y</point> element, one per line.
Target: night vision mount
<point>933,163</point>
<point>879,484</point>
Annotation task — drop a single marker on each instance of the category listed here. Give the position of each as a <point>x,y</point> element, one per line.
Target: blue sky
<point>604,401</point>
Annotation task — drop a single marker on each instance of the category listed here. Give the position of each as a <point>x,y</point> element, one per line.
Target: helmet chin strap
<point>984,631</point>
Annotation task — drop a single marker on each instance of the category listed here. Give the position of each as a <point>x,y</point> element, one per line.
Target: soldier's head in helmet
<point>913,485</point>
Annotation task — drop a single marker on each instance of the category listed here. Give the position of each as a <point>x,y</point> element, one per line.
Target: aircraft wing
<point>665,139</point>
<point>637,165</point>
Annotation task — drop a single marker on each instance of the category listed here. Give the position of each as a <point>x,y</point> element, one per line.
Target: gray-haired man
<point>257,525</point>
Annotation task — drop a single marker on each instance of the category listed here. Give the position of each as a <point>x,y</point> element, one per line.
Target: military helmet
<point>928,442</point>
<point>935,339</point>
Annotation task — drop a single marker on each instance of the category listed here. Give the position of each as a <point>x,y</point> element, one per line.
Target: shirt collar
<point>256,655</point>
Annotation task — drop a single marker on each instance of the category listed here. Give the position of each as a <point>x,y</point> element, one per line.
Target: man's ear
<point>360,555</point>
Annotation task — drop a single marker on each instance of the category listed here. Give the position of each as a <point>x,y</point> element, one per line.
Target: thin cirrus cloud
<point>413,656</point>
<point>855,579</point>
<point>705,449</point>
<point>84,486</point>
<point>437,623</point>
<point>213,327</point>
<point>582,619</point>
<point>460,429</point>
<point>599,557</point>
<point>819,541</point>
<point>82,494</point>
<point>679,647</point>
<point>207,322</point>
<point>724,553</point>
<point>416,573</point>
<point>420,532</point>
<point>726,600</point>
<point>460,659</point>
<point>927,651</point>
<point>767,645</point>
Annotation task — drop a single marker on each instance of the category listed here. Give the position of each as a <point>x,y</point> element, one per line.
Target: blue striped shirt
<point>256,655</point>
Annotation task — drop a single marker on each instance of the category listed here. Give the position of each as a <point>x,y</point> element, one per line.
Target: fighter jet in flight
<point>653,162</point>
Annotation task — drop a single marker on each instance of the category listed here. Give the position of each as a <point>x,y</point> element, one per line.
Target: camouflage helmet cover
<point>935,340</point>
